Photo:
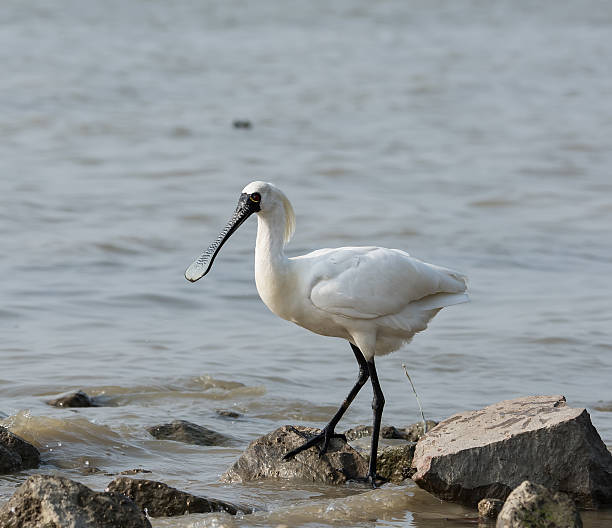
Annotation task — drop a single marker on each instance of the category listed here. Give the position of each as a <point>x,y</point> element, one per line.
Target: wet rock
<point>394,463</point>
<point>263,459</point>
<point>57,502</point>
<point>489,508</point>
<point>73,399</point>
<point>534,506</point>
<point>361,431</point>
<point>189,433</point>
<point>161,500</point>
<point>487,453</point>
<point>414,432</point>
<point>228,414</point>
<point>135,471</point>
<point>394,458</point>
<point>410,433</point>
<point>15,453</point>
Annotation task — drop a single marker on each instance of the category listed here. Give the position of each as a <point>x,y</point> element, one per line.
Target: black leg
<point>377,407</point>
<point>328,431</point>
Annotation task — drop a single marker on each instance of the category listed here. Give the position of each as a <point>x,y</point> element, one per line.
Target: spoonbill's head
<point>257,197</point>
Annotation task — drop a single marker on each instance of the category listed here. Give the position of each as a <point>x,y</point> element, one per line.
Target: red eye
<point>256,197</point>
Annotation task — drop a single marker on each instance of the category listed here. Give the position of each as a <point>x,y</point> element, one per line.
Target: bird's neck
<point>269,250</point>
<point>272,267</point>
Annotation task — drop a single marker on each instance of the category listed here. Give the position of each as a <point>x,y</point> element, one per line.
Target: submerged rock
<point>534,506</point>
<point>161,500</point>
<point>73,399</point>
<point>228,414</point>
<point>487,453</point>
<point>135,471</point>
<point>15,453</point>
<point>189,433</point>
<point>489,508</point>
<point>57,502</point>
<point>263,459</point>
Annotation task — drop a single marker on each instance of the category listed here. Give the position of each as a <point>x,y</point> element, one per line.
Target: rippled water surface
<point>474,135</point>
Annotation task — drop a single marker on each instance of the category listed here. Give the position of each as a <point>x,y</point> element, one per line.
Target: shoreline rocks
<point>489,452</point>
<point>489,508</point>
<point>54,502</point>
<point>73,399</point>
<point>15,453</point>
<point>263,459</point>
<point>410,433</point>
<point>394,458</point>
<point>534,506</point>
<point>189,433</point>
<point>161,500</point>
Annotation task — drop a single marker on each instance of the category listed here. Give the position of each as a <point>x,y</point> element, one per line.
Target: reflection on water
<point>472,136</point>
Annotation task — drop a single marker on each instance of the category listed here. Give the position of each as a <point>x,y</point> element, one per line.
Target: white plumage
<point>375,298</point>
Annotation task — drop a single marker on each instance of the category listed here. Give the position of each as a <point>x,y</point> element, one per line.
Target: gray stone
<point>360,431</point>
<point>189,433</point>
<point>410,433</point>
<point>46,501</point>
<point>394,458</point>
<point>414,432</point>
<point>263,459</point>
<point>161,500</point>
<point>15,453</point>
<point>228,414</point>
<point>534,506</point>
<point>135,471</point>
<point>489,508</point>
<point>487,453</point>
<point>73,399</point>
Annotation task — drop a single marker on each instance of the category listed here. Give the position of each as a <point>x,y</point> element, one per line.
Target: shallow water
<point>475,136</point>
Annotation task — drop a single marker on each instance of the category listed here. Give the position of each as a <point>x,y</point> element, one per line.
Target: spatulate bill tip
<point>194,272</point>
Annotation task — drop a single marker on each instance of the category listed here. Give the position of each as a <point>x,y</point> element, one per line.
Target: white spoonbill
<point>375,298</point>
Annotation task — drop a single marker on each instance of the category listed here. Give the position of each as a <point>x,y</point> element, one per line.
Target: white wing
<point>371,282</point>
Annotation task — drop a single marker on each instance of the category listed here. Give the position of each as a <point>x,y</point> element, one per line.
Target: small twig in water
<point>417,398</point>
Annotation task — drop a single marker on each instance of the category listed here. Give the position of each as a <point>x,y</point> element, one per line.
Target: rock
<point>189,433</point>
<point>534,506</point>
<point>228,414</point>
<point>73,399</point>
<point>414,432</point>
<point>487,453</point>
<point>360,431</point>
<point>263,459</point>
<point>489,508</point>
<point>15,453</point>
<point>135,471</point>
<point>411,433</point>
<point>55,502</point>
<point>161,500</point>
<point>393,463</point>
<point>394,458</point>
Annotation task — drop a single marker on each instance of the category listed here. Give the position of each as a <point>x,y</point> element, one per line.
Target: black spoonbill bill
<point>375,298</point>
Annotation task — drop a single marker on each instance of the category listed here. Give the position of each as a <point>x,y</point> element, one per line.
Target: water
<point>472,135</point>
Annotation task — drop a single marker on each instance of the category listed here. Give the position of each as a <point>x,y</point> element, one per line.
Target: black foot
<point>324,436</point>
